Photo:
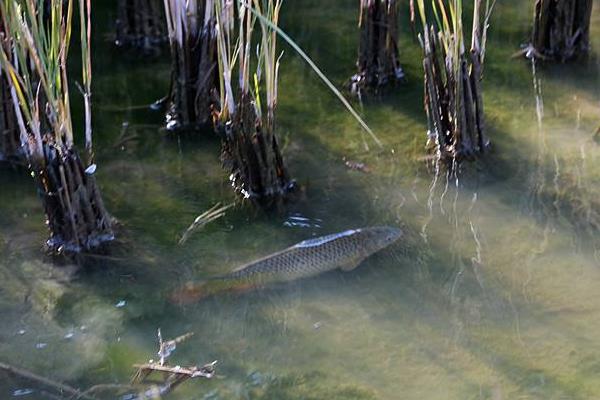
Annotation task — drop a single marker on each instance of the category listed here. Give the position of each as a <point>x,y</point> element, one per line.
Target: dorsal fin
<point>325,239</point>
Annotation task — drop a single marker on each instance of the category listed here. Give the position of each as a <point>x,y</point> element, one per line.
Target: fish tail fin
<point>189,293</point>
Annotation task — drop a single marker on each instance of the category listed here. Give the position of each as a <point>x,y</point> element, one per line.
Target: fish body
<point>344,250</point>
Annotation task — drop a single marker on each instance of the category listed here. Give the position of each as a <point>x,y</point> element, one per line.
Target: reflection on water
<point>492,294</point>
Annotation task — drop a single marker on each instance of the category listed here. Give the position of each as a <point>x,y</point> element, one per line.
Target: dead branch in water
<point>215,212</point>
<point>58,386</point>
<point>166,347</point>
<point>172,376</point>
<point>181,373</point>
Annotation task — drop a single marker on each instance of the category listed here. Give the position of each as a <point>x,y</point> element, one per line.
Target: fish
<point>343,250</point>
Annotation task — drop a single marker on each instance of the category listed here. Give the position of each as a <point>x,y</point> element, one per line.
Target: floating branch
<point>167,347</point>
<point>378,58</point>
<point>194,76</point>
<point>453,93</point>
<point>561,29</point>
<point>180,373</point>
<point>171,376</point>
<point>141,25</point>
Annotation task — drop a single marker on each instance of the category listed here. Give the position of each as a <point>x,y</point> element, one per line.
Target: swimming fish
<point>344,250</point>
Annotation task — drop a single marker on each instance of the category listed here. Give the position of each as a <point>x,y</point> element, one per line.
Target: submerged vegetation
<point>37,67</point>
<point>194,75</point>
<point>378,57</point>
<point>561,29</point>
<point>453,93</point>
<point>490,290</point>
<point>246,118</point>
<point>141,25</point>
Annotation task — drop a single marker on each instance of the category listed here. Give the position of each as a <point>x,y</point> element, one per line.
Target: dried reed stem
<point>378,57</point>
<point>561,29</point>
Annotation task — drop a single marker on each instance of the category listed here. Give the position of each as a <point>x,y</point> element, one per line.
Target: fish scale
<point>311,257</point>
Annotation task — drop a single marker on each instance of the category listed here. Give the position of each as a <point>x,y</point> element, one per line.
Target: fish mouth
<point>388,234</point>
<point>394,234</point>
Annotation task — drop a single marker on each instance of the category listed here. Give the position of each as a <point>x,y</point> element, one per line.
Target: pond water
<point>491,294</point>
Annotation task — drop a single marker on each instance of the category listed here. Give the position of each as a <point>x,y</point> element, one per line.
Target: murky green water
<point>493,294</point>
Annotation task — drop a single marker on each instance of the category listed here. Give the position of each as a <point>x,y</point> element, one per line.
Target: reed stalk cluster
<point>141,25</point>
<point>192,32</point>
<point>35,62</point>
<point>378,57</point>
<point>248,99</point>
<point>561,29</point>
<point>453,74</point>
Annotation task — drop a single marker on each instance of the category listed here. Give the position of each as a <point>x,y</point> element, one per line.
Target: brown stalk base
<point>453,102</point>
<point>561,29</point>
<point>194,81</point>
<point>76,217</point>
<point>251,154</point>
<point>141,25</point>
<point>10,142</point>
<point>378,64</point>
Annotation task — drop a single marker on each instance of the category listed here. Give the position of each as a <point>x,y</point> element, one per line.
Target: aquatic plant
<point>561,29</point>
<point>246,118</point>
<point>141,25</point>
<point>453,93</point>
<point>194,79</point>
<point>378,59</point>
<point>36,63</point>
<point>10,144</point>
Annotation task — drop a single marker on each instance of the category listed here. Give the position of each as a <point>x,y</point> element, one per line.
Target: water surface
<point>492,294</point>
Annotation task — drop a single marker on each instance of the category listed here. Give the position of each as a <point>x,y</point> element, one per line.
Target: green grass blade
<point>319,73</point>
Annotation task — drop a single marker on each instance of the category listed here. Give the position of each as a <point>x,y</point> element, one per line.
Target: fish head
<point>379,237</point>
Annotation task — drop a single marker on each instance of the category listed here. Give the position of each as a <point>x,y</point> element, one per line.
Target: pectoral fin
<point>350,265</point>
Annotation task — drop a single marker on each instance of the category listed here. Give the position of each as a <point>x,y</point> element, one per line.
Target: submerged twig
<point>172,376</point>
<point>206,371</point>
<point>215,212</point>
<point>103,387</point>
<point>166,347</point>
<point>58,386</point>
